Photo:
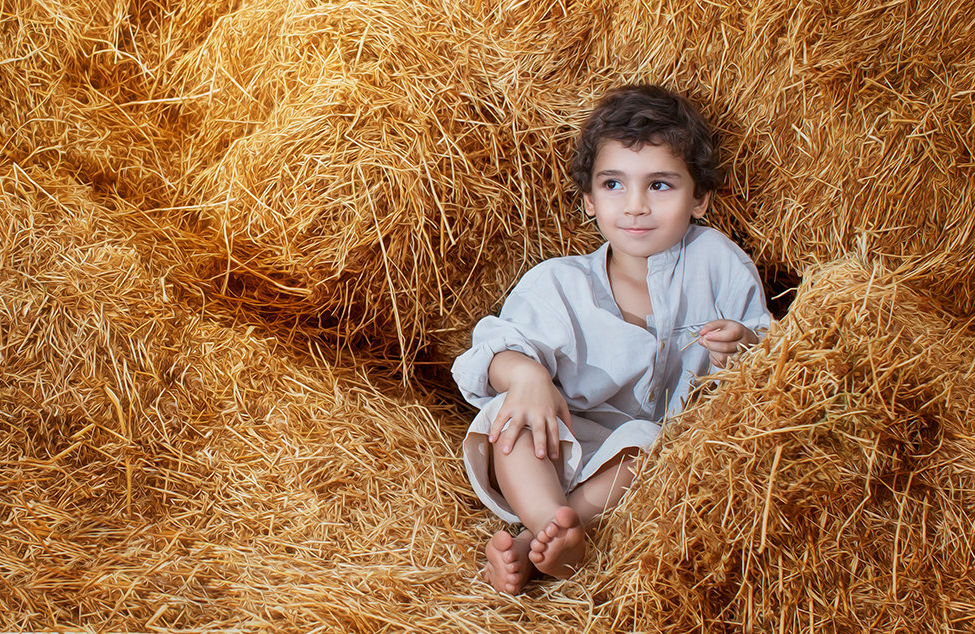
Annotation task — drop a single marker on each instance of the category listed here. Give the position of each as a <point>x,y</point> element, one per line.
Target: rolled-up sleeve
<point>527,324</point>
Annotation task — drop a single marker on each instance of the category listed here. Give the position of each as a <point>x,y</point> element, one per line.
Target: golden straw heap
<point>241,242</point>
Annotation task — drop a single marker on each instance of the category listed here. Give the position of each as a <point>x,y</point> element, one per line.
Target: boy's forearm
<point>507,365</point>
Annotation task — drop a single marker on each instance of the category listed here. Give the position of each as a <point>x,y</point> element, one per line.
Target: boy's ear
<point>701,206</point>
<point>588,206</point>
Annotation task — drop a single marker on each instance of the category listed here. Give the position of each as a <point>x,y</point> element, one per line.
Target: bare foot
<point>508,568</point>
<point>559,548</point>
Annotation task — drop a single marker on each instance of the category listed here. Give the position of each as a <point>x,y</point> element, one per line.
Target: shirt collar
<point>665,260</point>
<point>600,269</point>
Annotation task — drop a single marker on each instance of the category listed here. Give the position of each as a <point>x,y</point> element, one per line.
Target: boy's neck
<point>628,267</point>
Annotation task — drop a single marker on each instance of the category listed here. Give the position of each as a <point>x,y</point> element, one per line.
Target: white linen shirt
<point>563,315</point>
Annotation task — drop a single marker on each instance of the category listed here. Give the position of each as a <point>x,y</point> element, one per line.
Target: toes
<point>547,534</point>
<point>508,567</point>
<point>537,550</point>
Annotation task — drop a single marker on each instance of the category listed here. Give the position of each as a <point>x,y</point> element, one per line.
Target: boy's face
<point>642,200</point>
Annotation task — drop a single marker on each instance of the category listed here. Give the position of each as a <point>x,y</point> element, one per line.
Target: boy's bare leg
<point>605,488</point>
<point>508,568</point>
<point>593,497</point>
<point>533,488</point>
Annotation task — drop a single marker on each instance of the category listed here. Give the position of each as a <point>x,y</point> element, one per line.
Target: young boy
<point>591,353</point>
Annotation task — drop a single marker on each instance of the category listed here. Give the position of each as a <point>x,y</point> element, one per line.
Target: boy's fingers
<point>721,334</point>
<point>508,437</point>
<point>712,326</point>
<point>553,438</point>
<point>723,347</point>
<point>497,424</point>
<point>539,437</point>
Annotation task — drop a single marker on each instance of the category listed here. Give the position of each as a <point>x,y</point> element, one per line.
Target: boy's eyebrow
<point>612,172</point>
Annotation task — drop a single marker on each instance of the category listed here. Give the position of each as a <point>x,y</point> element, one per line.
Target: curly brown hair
<point>638,114</point>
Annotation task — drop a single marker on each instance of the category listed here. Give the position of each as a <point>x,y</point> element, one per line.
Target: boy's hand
<point>723,338</point>
<point>532,401</point>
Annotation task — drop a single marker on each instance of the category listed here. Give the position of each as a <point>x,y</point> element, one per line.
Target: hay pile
<point>162,469</point>
<point>241,240</point>
<point>377,172</point>
<point>80,96</point>
<point>828,484</point>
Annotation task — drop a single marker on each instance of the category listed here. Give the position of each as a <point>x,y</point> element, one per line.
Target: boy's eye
<point>659,186</point>
<point>613,185</point>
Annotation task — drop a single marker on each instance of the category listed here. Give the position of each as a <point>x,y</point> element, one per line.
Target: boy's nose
<point>637,204</point>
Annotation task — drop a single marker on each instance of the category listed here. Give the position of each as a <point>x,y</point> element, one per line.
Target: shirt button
<point>663,344</point>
